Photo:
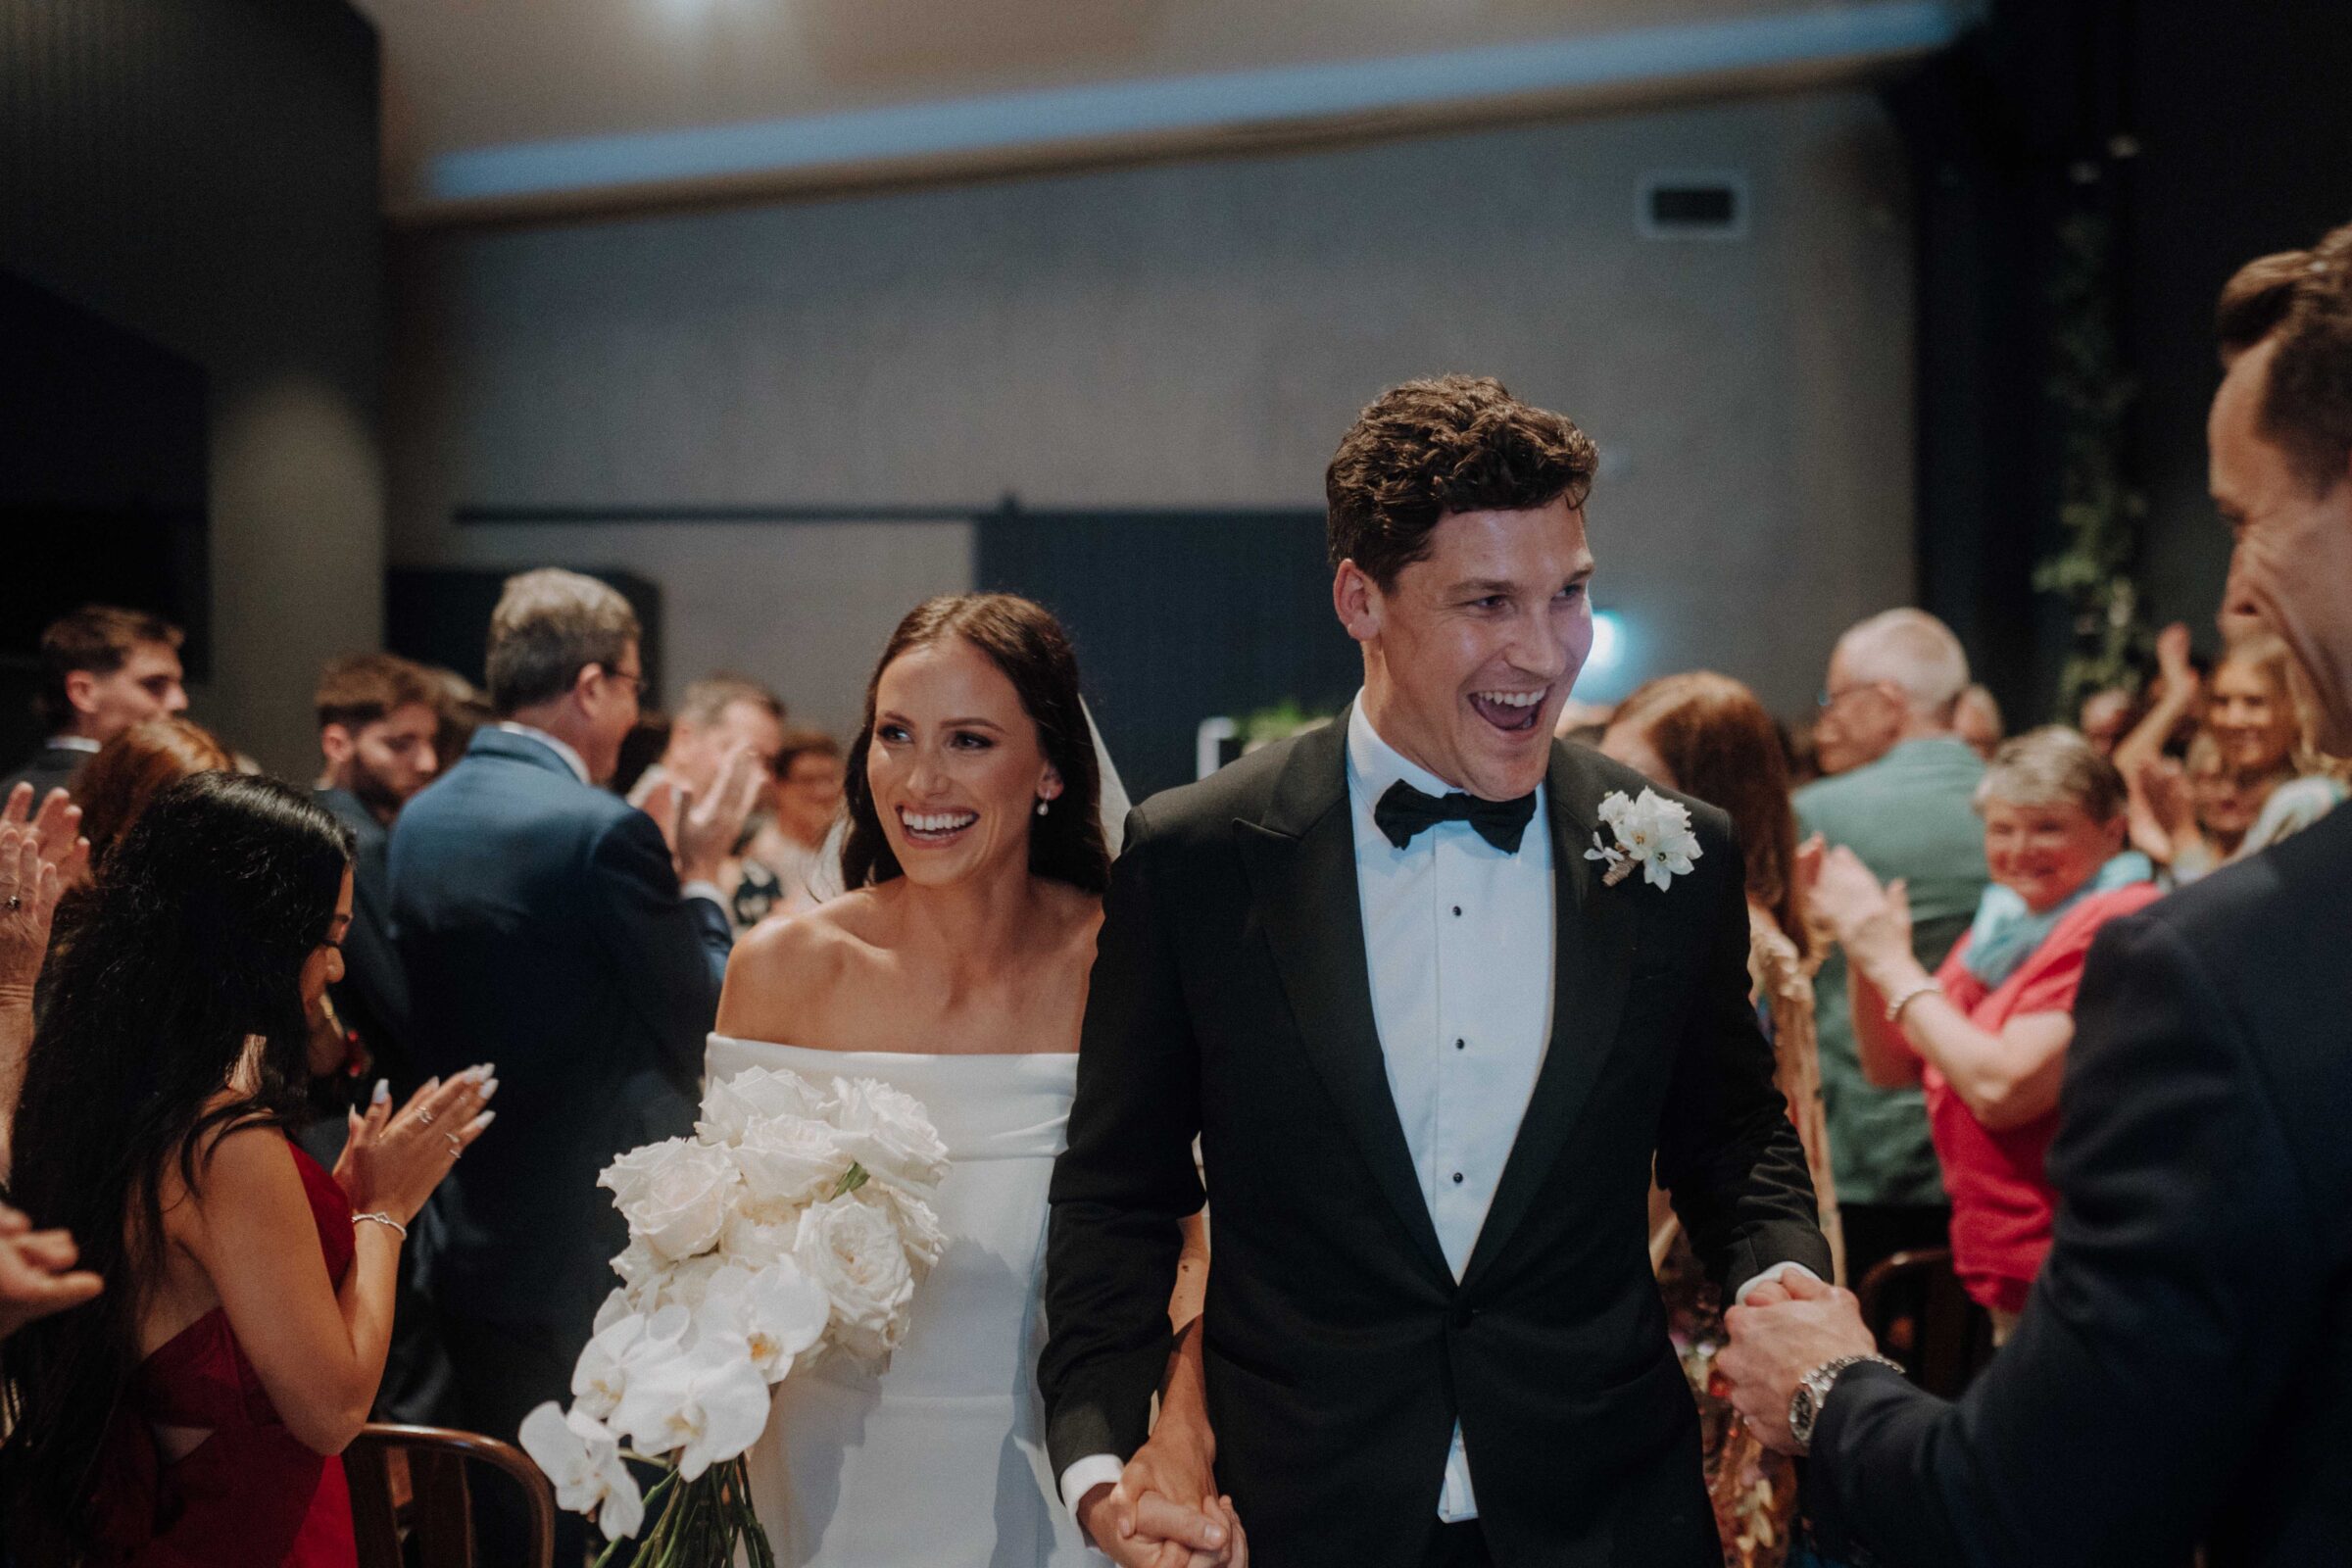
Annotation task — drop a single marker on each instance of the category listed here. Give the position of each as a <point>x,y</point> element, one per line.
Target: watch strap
<point>1819,1383</point>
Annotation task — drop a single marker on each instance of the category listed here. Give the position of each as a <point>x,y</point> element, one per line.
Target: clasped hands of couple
<point>1784,1329</point>
<point>1165,1510</point>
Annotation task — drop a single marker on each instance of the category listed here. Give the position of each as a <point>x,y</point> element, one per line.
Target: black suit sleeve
<point>1124,1182</point>
<point>667,954</point>
<point>1728,1155</point>
<point>2171,1313</point>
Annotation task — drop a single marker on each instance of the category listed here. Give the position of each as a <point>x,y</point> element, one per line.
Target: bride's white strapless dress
<point>939,1461</point>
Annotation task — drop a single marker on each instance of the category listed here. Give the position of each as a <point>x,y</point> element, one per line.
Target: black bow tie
<point>1404,812</point>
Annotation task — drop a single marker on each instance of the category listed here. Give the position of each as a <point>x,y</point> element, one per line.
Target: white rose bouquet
<point>796,1221</point>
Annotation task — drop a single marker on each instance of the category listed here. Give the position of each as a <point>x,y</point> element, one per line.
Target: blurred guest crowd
<point>234,1011</point>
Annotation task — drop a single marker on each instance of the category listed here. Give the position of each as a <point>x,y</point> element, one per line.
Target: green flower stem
<point>699,1523</point>
<point>654,1500</point>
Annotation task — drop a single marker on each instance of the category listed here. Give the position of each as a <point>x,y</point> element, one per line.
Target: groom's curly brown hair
<point>1452,443</point>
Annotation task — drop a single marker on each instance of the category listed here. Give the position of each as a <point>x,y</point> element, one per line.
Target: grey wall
<point>1194,335</point>
<point>204,173</point>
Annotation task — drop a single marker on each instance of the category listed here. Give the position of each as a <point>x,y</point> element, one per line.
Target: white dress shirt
<point>1459,943</point>
<point>1458,939</point>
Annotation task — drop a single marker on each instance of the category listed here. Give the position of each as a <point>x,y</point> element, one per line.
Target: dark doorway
<point>1180,617</point>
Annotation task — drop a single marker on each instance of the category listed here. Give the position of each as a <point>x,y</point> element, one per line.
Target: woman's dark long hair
<point>192,941</point>
<point>1024,641</point>
<point>1723,747</point>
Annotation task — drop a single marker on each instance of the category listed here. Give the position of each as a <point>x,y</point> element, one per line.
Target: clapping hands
<point>37,1276</point>
<point>392,1162</point>
<point>703,832</point>
<point>1872,924</point>
<point>40,856</point>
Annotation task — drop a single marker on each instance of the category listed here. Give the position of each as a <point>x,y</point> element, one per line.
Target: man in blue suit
<point>551,929</point>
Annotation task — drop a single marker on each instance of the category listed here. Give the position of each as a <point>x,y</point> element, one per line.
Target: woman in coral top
<point>1987,1037</point>
<point>191,1415</point>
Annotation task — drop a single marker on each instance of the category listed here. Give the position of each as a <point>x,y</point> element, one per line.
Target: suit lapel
<point>1595,929</point>
<point>1301,866</point>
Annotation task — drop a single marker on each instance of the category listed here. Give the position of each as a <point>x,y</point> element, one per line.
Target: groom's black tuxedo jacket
<point>1231,998</point>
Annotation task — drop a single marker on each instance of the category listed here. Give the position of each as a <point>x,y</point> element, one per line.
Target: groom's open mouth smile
<point>1512,713</point>
<point>932,830</point>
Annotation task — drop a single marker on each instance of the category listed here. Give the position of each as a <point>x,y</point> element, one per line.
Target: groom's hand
<point>1136,1527</point>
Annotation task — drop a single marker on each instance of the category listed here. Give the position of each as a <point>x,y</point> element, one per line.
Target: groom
<point>1432,1055</point>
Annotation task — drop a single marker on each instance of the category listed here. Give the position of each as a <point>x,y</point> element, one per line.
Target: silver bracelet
<point>1896,1004</point>
<point>382,1218</point>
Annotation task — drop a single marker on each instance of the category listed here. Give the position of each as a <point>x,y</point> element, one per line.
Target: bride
<point>955,969</point>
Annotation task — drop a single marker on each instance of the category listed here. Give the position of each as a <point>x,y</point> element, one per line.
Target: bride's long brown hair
<point>1022,639</point>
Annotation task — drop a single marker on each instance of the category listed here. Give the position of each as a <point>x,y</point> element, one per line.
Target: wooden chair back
<point>1915,1305</point>
<point>410,1484</point>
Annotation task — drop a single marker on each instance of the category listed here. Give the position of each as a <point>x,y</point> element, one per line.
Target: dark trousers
<point>503,1372</point>
<point>1460,1546</point>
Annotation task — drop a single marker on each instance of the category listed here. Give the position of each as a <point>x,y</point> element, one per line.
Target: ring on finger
<point>456,1147</point>
<point>424,1116</point>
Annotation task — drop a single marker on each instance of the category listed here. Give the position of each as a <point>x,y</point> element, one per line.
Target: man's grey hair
<point>1911,650</point>
<point>549,625</point>
<point>2053,766</point>
<point>707,700</point>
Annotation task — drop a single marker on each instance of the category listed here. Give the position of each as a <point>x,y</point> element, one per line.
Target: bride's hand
<point>1139,1527</point>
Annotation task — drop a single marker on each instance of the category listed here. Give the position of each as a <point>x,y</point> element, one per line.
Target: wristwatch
<point>1813,1392</point>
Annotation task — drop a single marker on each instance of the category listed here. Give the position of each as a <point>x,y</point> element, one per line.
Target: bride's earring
<point>1041,804</point>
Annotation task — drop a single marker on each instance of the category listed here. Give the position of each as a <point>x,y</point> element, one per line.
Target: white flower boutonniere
<point>1653,837</point>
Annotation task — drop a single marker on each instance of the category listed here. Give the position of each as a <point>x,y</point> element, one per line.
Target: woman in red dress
<point>1986,1036</point>
<point>191,1416</point>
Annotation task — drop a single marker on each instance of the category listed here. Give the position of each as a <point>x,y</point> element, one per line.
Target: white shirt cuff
<point>1084,1476</point>
<point>1792,1267</point>
<point>705,890</point>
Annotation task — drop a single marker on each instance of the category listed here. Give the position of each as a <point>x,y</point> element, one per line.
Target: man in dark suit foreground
<point>542,926</point>
<point>2183,1370</point>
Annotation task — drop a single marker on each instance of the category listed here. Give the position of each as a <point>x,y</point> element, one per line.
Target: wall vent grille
<point>1693,206</point>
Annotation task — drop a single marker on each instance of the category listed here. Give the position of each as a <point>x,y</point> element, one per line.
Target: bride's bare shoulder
<point>785,968</point>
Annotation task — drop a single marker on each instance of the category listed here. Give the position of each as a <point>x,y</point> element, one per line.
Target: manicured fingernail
<point>489,1087</point>
<point>484,1119</point>
<point>384,1091</point>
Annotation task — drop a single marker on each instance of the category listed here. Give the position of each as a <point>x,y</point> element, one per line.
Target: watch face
<point>1802,1408</point>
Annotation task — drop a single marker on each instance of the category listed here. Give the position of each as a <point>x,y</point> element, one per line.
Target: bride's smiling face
<point>955,764</point>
